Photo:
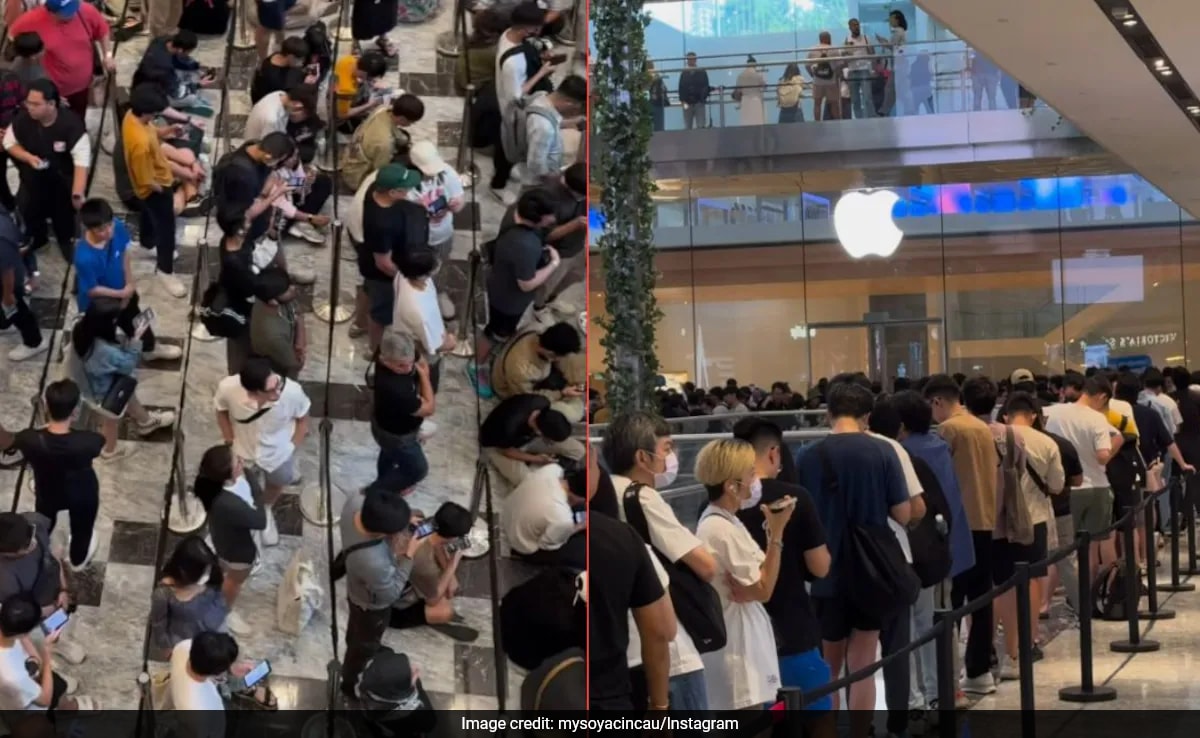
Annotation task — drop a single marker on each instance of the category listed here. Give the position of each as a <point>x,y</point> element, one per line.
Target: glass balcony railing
<point>922,78</point>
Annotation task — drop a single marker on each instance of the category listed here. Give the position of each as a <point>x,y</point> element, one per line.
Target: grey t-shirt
<point>374,578</point>
<point>518,251</point>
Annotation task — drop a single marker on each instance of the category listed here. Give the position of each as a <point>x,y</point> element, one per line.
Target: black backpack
<point>416,229</point>
<point>543,617</point>
<point>1126,470</point>
<point>1109,590</point>
<point>218,315</point>
<point>930,539</point>
<point>697,606</point>
<point>823,70</point>
<point>875,575</point>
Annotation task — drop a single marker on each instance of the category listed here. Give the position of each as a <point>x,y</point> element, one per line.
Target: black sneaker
<point>1036,653</point>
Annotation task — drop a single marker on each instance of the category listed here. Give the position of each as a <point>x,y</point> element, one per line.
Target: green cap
<point>397,177</point>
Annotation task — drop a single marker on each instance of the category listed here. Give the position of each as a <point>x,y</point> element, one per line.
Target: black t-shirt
<point>795,624</point>
<point>1072,467</point>
<point>397,397</point>
<point>507,425</point>
<point>383,233</point>
<point>274,78</point>
<point>621,578</point>
<point>1153,436</point>
<point>237,181</point>
<point>518,252</point>
<point>62,463</point>
<point>52,143</point>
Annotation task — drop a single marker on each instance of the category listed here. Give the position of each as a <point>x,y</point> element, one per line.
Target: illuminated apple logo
<point>863,223</point>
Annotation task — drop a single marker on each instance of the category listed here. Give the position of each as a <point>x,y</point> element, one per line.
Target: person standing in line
<point>63,476</point>
<point>378,548</point>
<point>163,17</point>
<point>153,183</point>
<point>277,330</point>
<point>53,153</point>
<point>15,311</point>
<point>404,398</point>
<point>265,418</point>
<point>74,33</point>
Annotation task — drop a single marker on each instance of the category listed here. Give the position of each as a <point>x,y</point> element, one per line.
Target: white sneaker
<point>69,651</point>
<point>92,546</point>
<point>158,419</point>
<point>23,352</point>
<point>302,275</point>
<point>306,232</point>
<point>163,352</point>
<point>982,684</point>
<point>121,451</point>
<point>237,625</point>
<point>446,305</point>
<point>428,428</point>
<point>171,285</point>
<point>270,534</point>
<point>506,198</point>
<point>1008,671</point>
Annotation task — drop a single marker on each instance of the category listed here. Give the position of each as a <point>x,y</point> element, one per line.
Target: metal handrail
<point>957,44</point>
<point>813,434</point>
<point>768,414</point>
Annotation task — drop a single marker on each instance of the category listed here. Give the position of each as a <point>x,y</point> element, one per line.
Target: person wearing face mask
<point>745,673</point>
<point>188,598</point>
<point>805,557</point>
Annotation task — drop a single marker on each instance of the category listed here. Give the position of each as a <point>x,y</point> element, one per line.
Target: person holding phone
<point>428,599</point>
<point>544,364</point>
<point>44,689</point>
<point>441,192</point>
<point>419,315</point>
<point>282,70</point>
<point>28,567</point>
<point>541,521</point>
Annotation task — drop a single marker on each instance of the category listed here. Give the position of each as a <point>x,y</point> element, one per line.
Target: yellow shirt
<point>1121,422</point>
<point>144,159</point>
<point>345,75</point>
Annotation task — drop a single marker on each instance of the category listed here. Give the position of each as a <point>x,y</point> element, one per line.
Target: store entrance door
<point>885,349</point>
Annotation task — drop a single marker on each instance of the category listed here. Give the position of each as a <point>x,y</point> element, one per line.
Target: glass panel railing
<point>920,78</point>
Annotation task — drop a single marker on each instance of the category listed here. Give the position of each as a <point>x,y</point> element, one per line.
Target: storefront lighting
<point>864,223</point>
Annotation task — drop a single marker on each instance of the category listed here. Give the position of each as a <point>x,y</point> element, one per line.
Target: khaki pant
<point>163,16</point>
<point>515,472</point>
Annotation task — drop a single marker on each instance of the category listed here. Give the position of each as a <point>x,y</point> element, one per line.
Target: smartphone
<point>438,206</point>
<point>557,58</point>
<point>580,517</point>
<point>313,70</point>
<point>144,319</point>
<point>57,619</point>
<point>458,544</point>
<point>258,673</point>
<point>423,530</point>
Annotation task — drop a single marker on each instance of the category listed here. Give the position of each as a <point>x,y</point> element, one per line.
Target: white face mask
<point>755,494</point>
<point>666,477</point>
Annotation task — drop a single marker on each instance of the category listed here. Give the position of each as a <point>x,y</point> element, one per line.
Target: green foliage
<point>621,130</point>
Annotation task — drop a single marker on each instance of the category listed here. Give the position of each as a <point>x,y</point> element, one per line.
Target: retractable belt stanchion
<point>1025,650</point>
<point>453,42</point>
<point>1153,611</point>
<point>1135,643</point>
<point>187,514</point>
<point>335,310</point>
<point>1187,499</point>
<point>947,675</point>
<point>243,39</point>
<point>1174,495</point>
<point>1088,690</point>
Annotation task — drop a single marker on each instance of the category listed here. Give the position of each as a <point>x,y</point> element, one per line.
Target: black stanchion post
<point>1025,650</point>
<point>947,675</point>
<point>494,577</point>
<point>1153,611</point>
<point>1189,521</point>
<point>1087,691</point>
<point>1174,492</point>
<point>1133,593</point>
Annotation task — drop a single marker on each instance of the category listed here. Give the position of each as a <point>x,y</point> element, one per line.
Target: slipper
<point>385,45</point>
<point>457,631</point>
<point>258,697</point>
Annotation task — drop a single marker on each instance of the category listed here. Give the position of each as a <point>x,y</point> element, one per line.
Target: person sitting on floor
<point>522,431</point>
<point>283,70</point>
<point>44,689</point>
<point>543,364</point>
<point>383,138</point>
<point>429,597</point>
<point>540,518</point>
<point>168,63</point>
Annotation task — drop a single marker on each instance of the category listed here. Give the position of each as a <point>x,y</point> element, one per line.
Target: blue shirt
<point>101,267</point>
<point>869,482</point>
<point>934,451</point>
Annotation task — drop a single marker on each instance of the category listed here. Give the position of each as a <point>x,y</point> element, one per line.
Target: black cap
<point>386,683</point>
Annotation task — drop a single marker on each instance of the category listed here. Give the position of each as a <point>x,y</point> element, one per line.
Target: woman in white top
<point>744,674</point>
<point>898,92</point>
<point>749,94</point>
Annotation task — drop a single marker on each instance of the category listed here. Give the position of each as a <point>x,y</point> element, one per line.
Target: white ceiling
<point>1073,58</point>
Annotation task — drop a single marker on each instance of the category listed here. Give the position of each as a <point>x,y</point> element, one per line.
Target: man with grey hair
<point>403,399</point>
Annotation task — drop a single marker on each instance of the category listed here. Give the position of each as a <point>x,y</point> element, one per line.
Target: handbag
<point>875,575</point>
<point>697,605</point>
<point>1018,523</point>
<point>300,596</point>
<point>119,393</point>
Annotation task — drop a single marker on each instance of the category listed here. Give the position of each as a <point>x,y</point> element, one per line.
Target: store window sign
<point>1142,340</point>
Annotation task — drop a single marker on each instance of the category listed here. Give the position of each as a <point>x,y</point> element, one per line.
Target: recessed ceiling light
<point>1165,72</point>
<point>1160,63</point>
<point>1130,23</point>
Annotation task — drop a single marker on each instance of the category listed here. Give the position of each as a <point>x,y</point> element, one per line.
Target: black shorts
<point>1006,554</point>
<point>838,616</point>
<point>500,326</point>
<point>1125,500</point>
<point>271,14</point>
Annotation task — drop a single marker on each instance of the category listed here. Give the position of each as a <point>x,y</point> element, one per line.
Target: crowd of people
<point>971,476</point>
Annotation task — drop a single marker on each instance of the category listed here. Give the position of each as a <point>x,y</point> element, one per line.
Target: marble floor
<point>114,591</point>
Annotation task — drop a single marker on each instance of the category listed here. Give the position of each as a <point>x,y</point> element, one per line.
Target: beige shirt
<point>973,450</point>
<point>1043,457</point>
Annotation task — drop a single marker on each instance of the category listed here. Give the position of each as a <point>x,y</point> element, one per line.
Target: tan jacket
<point>518,367</point>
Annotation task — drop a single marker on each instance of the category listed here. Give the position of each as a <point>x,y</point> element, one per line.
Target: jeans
<point>973,583</point>
<point>924,676</point>
<point>791,115</point>
<point>24,320</point>
<point>401,466</point>
<point>364,636</point>
<point>158,228</point>
<point>82,508</point>
<point>688,692</point>
<point>860,93</point>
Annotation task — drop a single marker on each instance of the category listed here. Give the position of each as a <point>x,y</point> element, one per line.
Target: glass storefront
<point>1044,274</point>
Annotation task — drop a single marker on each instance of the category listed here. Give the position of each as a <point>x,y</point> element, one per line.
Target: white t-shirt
<point>431,315</point>
<point>914,489</point>
<point>858,48</point>
<point>267,440</point>
<point>537,514</point>
<point>1088,431</point>
<point>685,659</point>
<point>512,75</point>
<point>267,116</point>
<point>1166,407</point>
<point>198,704</point>
<point>448,185</point>
<point>669,536</point>
<point>18,690</point>
<point>354,218</point>
<point>745,673</point>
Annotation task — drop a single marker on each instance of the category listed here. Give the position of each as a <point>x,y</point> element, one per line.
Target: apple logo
<point>863,222</point>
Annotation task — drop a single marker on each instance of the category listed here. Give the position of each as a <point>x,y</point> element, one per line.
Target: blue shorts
<point>271,13</point>
<point>807,672</point>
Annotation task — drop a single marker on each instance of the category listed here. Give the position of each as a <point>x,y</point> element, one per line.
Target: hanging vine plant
<point>620,167</point>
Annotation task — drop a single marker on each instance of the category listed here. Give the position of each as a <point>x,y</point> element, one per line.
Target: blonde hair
<point>724,460</point>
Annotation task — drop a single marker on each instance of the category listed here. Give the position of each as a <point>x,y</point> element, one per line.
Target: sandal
<point>87,704</point>
<point>385,45</point>
<point>258,697</point>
